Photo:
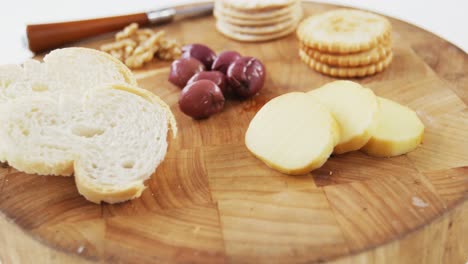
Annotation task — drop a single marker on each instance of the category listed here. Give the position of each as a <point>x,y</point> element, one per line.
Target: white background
<point>446,18</point>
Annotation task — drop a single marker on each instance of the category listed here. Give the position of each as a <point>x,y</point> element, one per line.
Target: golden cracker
<point>257,22</point>
<point>344,31</point>
<point>368,57</point>
<point>346,72</point>
<point>262,30</point>
<point>256,5</point>
<point>255,14</point>
<point>251,37</point>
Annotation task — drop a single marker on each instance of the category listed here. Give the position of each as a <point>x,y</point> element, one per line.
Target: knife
<point>42,37</point>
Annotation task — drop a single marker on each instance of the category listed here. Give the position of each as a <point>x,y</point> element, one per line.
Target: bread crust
<point>98,194</point>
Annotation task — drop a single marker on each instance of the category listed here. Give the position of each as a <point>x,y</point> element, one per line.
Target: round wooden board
<point>212,201</point>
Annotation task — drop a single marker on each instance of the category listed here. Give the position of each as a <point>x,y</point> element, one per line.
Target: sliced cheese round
<point>292,133</point>
<point>355,109</point>
<point>398,131</point>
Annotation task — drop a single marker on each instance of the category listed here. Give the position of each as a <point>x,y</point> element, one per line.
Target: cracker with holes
<point>368,57</point>
<point>347,72</point>
<point>257,5</point>
<point>346,43</point>
<point>257,20</point>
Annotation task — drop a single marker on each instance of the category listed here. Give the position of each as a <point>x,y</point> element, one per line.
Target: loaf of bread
<point>80,112</point>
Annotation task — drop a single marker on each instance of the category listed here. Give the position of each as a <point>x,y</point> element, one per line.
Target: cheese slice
<point>399,131</point>
<point>355,109</point>
<point>292,133</point>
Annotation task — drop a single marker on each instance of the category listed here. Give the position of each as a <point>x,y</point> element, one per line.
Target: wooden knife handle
<point>42,37</point>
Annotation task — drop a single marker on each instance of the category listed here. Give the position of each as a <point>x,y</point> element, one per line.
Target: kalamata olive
<point>215,76</point>
<point>224,59</point>
<point>183,69</point>
<point>246,76</point>
<point>200,52</point>
<point>201,99</point>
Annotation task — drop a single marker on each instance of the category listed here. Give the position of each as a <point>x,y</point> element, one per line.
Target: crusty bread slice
<point>69,71</point>
<point>32,136</point>
<point>80,112</point>
<point>73,70</point>
<point>134,125</point>
<point>81,68</point>
<point>292,133</point>
<point>113,141</point>
<point>354,107</point>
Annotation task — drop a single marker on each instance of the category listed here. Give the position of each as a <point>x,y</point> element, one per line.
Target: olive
<point>215,76</point>
<point>246,76</point>
<point>201,99</point>
<point>224,59</point>
<point>200,52</point>
<point>183,69</point>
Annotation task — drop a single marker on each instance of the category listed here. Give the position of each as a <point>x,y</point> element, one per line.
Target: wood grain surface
<point>211,201</point>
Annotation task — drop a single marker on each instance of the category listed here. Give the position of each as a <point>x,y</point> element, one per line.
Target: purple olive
<point>183,69</point>
<point>246,76</point>
<point>215,76</point>
<point>224,59</point>
<point>200,52</point>
<point>201,99</point>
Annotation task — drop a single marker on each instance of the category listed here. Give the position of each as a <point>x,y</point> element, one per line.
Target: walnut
<point>135,46</point>
<point>127,31</point>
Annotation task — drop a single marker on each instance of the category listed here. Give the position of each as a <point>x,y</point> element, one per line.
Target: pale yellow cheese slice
<point>292,133</point>
<point>354,107</point>
<point>399,131</point>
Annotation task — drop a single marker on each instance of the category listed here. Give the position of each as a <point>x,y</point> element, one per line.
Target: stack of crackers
<point>346,43</point>
<point>257,20</point>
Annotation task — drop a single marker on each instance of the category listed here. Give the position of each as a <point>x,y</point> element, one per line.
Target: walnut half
<point>135,46</point>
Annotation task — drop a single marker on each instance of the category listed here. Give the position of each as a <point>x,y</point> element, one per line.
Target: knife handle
<point>42,37</point>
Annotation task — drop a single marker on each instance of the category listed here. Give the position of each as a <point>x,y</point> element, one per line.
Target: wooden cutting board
<point>212,201</point>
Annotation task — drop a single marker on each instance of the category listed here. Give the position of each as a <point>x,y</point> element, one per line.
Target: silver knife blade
<point>169,14</point>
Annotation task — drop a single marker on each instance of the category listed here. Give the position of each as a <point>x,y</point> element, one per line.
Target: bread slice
<point>355,109</point>
<point>83,68</point>
<point>79,112</point>
<point>68,71</point>
<point>399,131</point>
<point>112,141</point>
<point>32,137</point>
<point>292,133</point>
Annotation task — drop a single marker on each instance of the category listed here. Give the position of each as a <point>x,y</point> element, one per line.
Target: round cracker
<point>346,72</point>
<point>296,11</point>
<point>255,15</point>
<point>343,31</point>
<point>262,30</point>
<point>245,22</point>
<point>251,37</point>
<point>368,57</point>
<point>257,5</point>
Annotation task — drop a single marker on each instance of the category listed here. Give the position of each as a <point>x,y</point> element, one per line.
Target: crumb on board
<point>418,202</point>
<point>80,249</point>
